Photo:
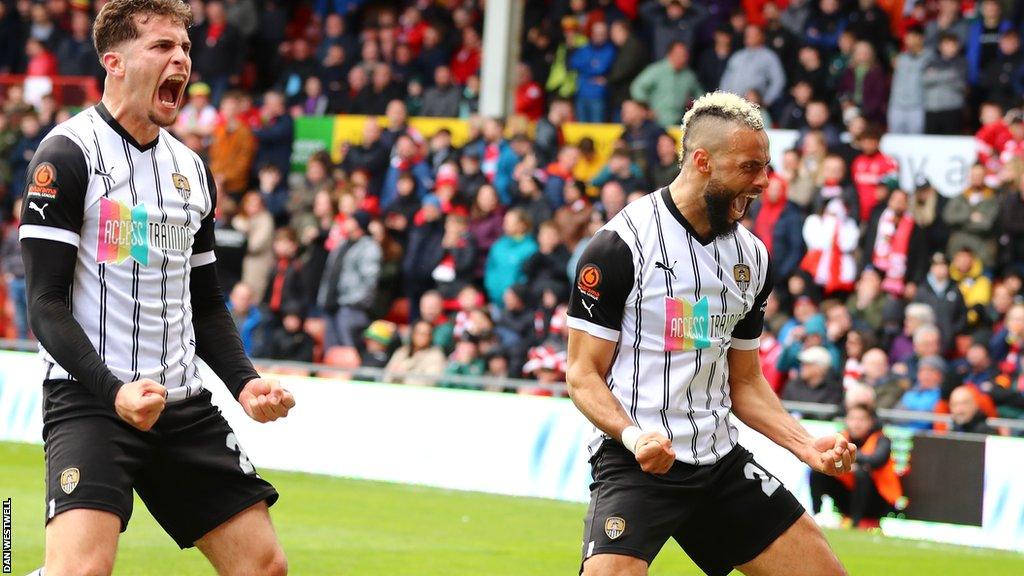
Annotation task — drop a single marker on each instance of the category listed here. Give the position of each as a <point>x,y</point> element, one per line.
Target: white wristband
<point>629,437</point>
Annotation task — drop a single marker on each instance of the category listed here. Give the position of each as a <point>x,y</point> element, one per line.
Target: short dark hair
<point>116,21</point>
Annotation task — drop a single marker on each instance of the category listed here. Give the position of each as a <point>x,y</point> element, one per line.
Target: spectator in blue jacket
<point>407,158</point>
<point>505,262</point>
<point>983,38</point>
<point>593,61</point>
<point>824,26</point>
<point>241,305</point>
<point>927,390</point>
<point>276,135</point>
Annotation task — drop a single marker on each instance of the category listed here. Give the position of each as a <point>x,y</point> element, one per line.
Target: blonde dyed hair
<point>724,106</point>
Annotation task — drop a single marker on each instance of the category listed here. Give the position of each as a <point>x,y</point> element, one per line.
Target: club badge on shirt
<point>741,273</point>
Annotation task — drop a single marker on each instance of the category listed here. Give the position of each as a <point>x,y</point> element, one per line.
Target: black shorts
<point>722,515</point>
<point>189,469</point>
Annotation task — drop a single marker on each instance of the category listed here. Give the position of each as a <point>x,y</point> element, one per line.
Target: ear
<point>113,63</point>
<point>702,160</point>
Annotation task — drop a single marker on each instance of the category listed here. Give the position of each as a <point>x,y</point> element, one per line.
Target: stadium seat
<point>345,357</point>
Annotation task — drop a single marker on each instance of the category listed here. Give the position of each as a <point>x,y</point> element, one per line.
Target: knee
<point>275,564</point>
<point>87,566</point>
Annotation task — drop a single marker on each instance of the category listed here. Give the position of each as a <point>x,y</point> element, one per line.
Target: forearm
<point>49,267</point>
<point>217,340</point>
<point>758,407</point>
<point>591,395</point>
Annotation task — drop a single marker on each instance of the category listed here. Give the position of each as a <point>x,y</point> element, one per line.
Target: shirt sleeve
<point>746,335</point>
<point>54,202</point>
<point>202,250</point>
<point>604,279</point>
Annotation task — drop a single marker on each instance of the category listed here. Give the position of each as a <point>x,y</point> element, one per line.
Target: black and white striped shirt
<point>674,303</point>
<point>140,216</point>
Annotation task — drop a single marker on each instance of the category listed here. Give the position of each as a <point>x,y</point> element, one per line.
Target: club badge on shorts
<point>741,273</point>
<point>69,480</point>
<point>181,185</point>
<point>614,527</point>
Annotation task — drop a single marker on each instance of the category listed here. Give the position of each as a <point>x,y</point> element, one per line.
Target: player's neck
<point>136,124</point>
<point>688,197</point>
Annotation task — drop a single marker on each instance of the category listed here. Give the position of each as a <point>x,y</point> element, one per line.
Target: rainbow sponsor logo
<point>687,326</point>
<point>122,233</point>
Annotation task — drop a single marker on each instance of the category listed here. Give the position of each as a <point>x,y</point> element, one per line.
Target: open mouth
<point>170,90</point>
<point>741,204</point>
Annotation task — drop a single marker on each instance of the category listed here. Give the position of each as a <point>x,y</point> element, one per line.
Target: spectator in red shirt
<point>41,62</point>
<point>868,171</point>
<point>991,138</point>
<point>466,62</point>
<point>529,95</point>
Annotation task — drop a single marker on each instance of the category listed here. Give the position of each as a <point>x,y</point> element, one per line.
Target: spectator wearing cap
<point>592,62</point>
<point>673,21</point>
<point>945,88</point>
<point>971,217</point>
<point>864,83</point>
<point>198,116</point>
<point>442,99</point>
<point>349,284</point>
<point>943,296</point>
<point>378,340</point>
<point>755,67</point>
<point>630,58</point>
<point>810,333</point>
<point>926,391</point>
<point>906,96</point>
<point>872,489</point>
<point>667,85</point>
<point>506,258</point>
<point>424,251</point>
<point>816,381</point>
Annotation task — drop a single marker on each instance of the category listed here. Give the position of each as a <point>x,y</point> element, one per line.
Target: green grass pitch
<point>334,526</point>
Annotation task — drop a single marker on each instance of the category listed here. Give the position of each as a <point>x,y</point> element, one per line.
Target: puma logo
<point>669,269</point>
<point>590,309</point>
<point>37,208</point>
<point>105,174</point>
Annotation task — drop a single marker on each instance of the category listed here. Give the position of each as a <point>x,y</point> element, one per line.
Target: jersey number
<point>243,460</point>
<point>768,484</point>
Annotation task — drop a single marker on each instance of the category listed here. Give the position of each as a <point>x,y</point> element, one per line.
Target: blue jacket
<point>922,400</point>
<point>275,144</point>
<point>505,265</point>
<point>973,49</point>
<point>591,62</point>
<point>788,241</point>
<point>247,326</point>
<point>389,191</point>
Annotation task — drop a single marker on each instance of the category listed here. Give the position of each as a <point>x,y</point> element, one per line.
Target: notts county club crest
<point>69,480</point>
<point>614,527</point>
<point>181,185</point>
<point>741,273</point>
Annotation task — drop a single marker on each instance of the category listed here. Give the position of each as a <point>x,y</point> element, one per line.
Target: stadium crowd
<point>417,256</point>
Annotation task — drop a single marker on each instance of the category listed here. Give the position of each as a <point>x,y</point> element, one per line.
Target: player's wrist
<point>630,436</point>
